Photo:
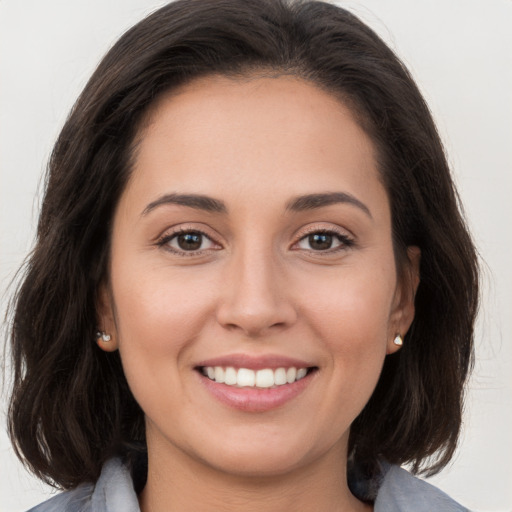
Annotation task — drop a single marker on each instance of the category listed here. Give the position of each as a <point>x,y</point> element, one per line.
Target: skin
<point>256,286</point>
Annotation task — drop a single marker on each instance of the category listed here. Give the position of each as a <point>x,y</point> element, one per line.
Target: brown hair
<point>71,407</point>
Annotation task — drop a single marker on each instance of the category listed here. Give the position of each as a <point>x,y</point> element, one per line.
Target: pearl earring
<point>104,336</point>
<point>398,341</point>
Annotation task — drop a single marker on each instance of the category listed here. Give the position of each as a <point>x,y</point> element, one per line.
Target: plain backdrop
<point>459,51</point>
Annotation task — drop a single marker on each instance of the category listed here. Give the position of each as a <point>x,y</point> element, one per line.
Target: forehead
<point>257,134</point>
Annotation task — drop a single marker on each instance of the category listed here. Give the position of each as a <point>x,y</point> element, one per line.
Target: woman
<point>246,251</point>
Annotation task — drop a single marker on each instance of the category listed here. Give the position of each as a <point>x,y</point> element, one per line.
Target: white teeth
<point>218,374</point>
<point>280,377</point>
<point>245,377</point>
<point>291,375</point>
<point>265,378</point>
<point>301,373</point>
<point>230,376</point>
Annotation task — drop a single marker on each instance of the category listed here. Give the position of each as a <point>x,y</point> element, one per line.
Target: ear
<point>109,342</point>
<point>402,313</point>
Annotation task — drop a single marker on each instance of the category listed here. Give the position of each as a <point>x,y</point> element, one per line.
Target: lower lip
<point>256,399</point>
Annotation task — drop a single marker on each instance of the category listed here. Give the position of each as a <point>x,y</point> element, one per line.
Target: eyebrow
<point>313,201</point>
<point>298,204</point>
<point>197,201</point>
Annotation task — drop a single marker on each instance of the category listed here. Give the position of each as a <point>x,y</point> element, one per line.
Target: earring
<point>104,336</point>
<point>398,341</point>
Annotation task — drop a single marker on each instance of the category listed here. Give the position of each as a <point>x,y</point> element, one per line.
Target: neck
<point>179,483</point>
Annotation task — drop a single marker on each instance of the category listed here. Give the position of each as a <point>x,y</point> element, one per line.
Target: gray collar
<point>393,489</point>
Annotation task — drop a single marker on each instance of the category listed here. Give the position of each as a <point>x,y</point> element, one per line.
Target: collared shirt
<point>394,490</point>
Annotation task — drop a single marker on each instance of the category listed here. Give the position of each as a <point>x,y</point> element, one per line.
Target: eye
<point>324,241</point>
<point>188,241</point>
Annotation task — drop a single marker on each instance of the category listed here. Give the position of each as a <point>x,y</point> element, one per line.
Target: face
<point>253,293</point>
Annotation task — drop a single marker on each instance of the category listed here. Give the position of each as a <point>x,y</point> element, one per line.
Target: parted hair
<point>71,407</point>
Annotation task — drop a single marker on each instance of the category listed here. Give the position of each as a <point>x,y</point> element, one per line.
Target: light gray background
<point>460,52</point>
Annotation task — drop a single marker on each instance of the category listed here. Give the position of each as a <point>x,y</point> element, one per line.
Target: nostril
<point>254,311</point>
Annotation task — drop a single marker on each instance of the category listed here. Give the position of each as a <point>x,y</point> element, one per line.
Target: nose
<point>255,297</point>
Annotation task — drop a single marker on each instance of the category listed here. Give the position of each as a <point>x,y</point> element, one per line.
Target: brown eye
<point>188,241</point>
<point>320,241</point>
<point>324,241</point>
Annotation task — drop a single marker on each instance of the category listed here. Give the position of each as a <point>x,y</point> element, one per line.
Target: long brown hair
<point>71,407</point>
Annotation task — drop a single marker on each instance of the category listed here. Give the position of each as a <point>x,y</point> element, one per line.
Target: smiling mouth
<point>264,378</point>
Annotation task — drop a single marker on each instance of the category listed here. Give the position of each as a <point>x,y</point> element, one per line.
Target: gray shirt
<point>396,491</point>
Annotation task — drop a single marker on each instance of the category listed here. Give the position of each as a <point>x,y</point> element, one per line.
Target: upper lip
<point>252,362</point>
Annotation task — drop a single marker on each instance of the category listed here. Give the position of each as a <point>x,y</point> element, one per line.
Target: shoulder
<point>77,500</point>
<point>400,492</point>
<point>112,492</point>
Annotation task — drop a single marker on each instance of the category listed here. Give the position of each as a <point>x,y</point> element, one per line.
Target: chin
<point>257,464</point>
<point>263,456</point>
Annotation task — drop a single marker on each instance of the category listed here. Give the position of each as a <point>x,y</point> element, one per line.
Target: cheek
<point>159,308</point>
<point>350,315</point>
<point>352,305</point>
<point>159,315</point>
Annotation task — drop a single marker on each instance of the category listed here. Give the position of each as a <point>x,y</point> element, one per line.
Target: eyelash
<point>164,241</point>
<point>345,241</point>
